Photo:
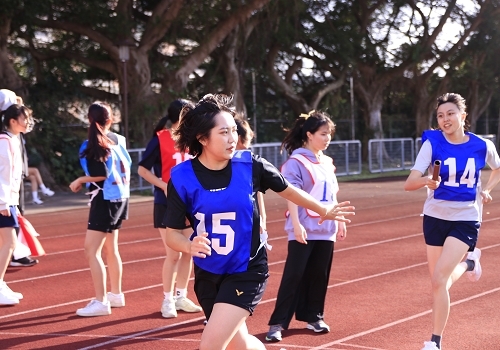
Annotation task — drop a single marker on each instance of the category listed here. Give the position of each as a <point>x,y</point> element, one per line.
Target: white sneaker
<point>48,192</point>
<point>4,286</point>
<point>186,305</point>
<point>95,308</point>
<point>116,300</point>
<point>168,309</point>
<point>475,274</point>
<point>6,296</point>
<point>430,345</point>
<point>37,201</point>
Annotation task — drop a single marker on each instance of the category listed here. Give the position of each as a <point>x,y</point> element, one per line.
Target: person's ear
<point>202,141</point>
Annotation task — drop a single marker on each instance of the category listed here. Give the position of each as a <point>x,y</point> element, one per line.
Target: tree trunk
<point>231,67</point>
<point>144,106</point>
<point>9,79</point>
<point>477,103</point>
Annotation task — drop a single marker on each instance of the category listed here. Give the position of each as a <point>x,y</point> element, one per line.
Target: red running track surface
<point>379,295</point>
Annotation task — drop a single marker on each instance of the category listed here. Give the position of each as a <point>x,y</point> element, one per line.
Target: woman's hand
<point>337,212</point>
<point>5,212</point>
<point>200,246</point>
<point>75,186</point>
<point>300,233</point>
<point>432,184</point>
<point>342,230</point>
<point>486,197</point>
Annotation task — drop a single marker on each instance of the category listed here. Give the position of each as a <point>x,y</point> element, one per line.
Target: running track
<point>379,294</point>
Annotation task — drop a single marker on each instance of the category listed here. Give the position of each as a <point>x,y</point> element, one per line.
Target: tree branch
<point>213,40</point>
<point>159,23</point>
<point>93,35</point>
<point>287,90</point>
<point>328,88</point>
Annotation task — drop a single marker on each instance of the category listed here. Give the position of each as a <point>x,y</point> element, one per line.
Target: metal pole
<point>254,107</point>
<point>351,83</point>
<point>125,101</point>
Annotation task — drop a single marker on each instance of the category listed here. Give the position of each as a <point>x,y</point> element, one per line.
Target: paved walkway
<point>67,201</point>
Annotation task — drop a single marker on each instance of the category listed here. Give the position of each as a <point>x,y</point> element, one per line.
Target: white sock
<point>168,296</point>
<point>181,292</point>
<point>42,187</point>
<point>35,195</point>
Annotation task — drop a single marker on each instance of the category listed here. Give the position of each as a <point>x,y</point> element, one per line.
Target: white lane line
<point>96,336</point>
<point>82,233</point>
<point>139,334</point>
<point>73,302</point>
<point>80,270</point>
<point>120,244</point>
<point>397,322</point>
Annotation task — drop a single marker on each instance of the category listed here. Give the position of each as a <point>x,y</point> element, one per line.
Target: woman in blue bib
<point>106,163</point>
<point>452,211</point>
<point>216,192</point>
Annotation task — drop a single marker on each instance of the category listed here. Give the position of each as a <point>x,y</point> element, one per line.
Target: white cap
<point>7,99</point>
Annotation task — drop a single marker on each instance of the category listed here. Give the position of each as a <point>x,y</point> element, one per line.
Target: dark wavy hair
<point>458,101</point>
<point>297,135</point>
<point>245,132</point>
<point>173,114</point>
<point>197,121</point>
<point>99,145</point>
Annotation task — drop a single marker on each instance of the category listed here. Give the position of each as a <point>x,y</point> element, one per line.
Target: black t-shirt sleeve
<point>175,216</point>
<point>97,168</point>
<point>266,176</point>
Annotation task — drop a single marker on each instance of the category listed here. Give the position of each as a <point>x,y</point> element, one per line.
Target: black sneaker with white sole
<point>23,262</point>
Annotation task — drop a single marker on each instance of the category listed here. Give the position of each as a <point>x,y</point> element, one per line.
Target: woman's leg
<point>185,265</point>
<point>94,241</point>
<point>170,264</point>
<point>7,245</point>
<point>314,284</point>
<point>226,329</point>
<point>169,275</point>
<point>295,265</point>
<point>114,262</point>
<point>34,182</point>
<point>33,172</point>
<point>445,267</point>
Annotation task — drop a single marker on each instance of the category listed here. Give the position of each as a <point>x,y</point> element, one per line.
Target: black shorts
<point>10,221</point>
<point>437,230</point>
<point>243,289</point>
<point>159,211</point>
<point>107,216</point>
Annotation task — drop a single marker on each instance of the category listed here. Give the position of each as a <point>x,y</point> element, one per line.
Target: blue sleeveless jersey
<point>461,165</point>
<point>226,214</point>
<point>117,184</point>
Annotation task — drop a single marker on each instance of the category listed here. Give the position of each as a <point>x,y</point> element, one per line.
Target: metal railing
<point>390,154</point>
<point>346,157</point>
